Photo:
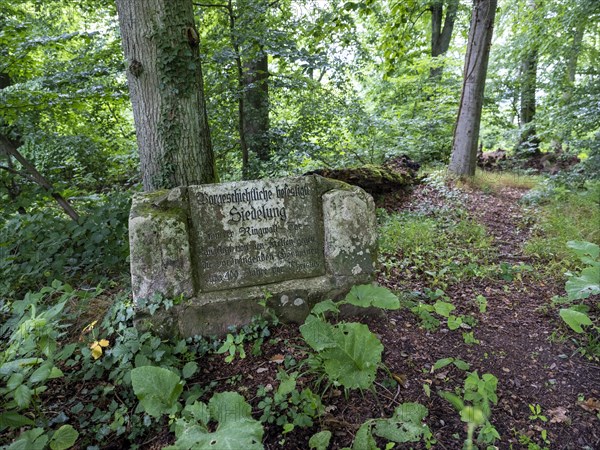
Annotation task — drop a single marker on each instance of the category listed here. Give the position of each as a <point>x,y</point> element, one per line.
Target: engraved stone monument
<point>223,247</point>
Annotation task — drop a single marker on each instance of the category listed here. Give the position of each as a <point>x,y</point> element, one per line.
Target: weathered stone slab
<point>253,233</point>
<point>222,247</point>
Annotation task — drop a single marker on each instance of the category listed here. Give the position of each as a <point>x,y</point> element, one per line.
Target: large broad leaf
<point>157,389</point>
<point>13,420</point>
<point>317,333</point>
<point>367,295</point>
<point>236,428</point>
<point>586,284</point>
<point>34,439</point>
<point>354,359</point>
<point>364,439</point>
<point>575,319</point>
<point>64,438</point>
<point>582,248</point>
<point>405,425</point>
<point>325,306</point>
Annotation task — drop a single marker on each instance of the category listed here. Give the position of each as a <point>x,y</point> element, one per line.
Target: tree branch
<point>11,147</point>
<point>18,172</point>
<point>211,5</point>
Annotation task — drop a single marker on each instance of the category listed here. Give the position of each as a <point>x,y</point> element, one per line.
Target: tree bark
<point>441,36</point>
<point>466,133</point>
<point>572,60</point>
<point>528,141</point>
<point>160,42</point>
<point>256,113</point>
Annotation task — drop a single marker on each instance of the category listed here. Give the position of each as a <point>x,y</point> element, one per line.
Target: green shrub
<point>43,245</point>
<point>566,215</point>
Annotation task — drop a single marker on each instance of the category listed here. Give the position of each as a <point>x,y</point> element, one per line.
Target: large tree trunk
<point>160,42</point>
<point>441,36</point>
<point>466,133</point>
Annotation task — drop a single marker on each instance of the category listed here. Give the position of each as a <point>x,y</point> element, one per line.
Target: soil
<point>521,341</point>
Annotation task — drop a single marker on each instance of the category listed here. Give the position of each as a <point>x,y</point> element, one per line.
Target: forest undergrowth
<point>474,338</point>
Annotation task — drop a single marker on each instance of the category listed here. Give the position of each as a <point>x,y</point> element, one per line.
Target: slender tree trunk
<point>256,113</point>
<point>240,82</point>
<point>160,42</point>
<point>572,61</point>
<point>466,132</point>
<point>528,141</point>
<point>441,36</point>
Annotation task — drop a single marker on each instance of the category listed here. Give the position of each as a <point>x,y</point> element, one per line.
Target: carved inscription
<point>252,233</point>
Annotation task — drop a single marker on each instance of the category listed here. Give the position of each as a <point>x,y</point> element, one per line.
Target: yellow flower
<point>96,347</point>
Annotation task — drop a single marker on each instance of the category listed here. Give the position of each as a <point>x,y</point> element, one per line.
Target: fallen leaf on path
<point>277,359</point>
<point>591,404</point>
<point>401,379</point>
<point>558,415</point>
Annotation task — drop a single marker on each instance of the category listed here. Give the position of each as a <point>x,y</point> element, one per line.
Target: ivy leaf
<point>189,369</point>
<point>354,359</point>
<point>367,295</point>
<point>287,385</point>
<point>157,389</point>
<point>64,438</point>
<point>443,308</point>
<point>575,319</point>
<point>454,322</point>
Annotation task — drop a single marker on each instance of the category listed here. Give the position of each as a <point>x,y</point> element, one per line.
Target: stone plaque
<point>253,233</point>
<point>221,248</point>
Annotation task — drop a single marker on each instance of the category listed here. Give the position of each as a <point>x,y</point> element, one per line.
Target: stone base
<point>215,313</point>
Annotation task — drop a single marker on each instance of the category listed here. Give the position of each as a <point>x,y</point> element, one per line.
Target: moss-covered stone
<point>372,178</point>
<point>223,246</point>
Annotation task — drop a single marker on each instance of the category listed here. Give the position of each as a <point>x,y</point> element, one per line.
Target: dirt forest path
<point>519,343</point>
<point>518,338</point>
